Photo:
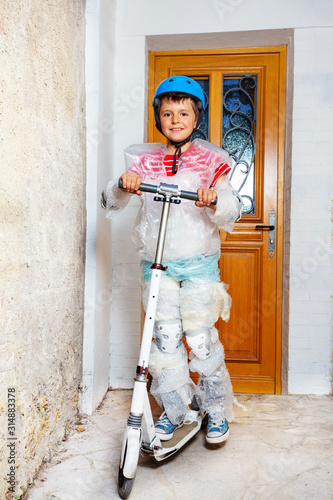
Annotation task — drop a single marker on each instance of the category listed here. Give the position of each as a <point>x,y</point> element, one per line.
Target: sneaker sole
<point>219,439</point>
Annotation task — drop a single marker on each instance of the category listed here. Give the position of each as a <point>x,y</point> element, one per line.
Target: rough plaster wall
<point>42,231</point>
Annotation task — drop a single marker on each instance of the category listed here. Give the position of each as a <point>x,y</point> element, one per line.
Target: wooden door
<point>246,93</point>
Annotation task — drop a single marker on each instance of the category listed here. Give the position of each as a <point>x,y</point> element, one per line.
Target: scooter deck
<point>180,437</point>
<point>180,434</point>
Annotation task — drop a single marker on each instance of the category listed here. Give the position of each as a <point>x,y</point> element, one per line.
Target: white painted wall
<point>193,24</point>
<point>99,122</point>
<point>310,345</point>
<point>156,17</point>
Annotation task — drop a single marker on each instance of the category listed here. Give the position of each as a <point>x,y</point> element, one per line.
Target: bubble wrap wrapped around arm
<point>114,200</point>
<point>228,208</point>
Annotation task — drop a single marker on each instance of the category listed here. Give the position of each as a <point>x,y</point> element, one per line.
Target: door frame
<point>282,50</point>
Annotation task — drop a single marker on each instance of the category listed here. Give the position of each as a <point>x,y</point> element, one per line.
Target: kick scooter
<point>140,431</point>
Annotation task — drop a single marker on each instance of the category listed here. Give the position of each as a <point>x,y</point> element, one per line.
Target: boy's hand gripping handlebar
<point>168,191</point>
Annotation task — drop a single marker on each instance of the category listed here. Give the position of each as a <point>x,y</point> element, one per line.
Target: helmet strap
<point>178,146</point>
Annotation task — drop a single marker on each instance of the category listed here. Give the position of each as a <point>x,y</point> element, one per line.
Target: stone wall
<point>42,235</point>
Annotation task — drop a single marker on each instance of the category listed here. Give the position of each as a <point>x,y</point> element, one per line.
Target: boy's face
<point>177,119</point>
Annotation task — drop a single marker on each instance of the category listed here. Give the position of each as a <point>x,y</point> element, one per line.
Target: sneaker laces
<point>164,420</point>
<point>215,421</point>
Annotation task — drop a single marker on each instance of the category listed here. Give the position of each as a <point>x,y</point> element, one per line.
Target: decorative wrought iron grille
<point>238,130</point>
<point>239,133</point>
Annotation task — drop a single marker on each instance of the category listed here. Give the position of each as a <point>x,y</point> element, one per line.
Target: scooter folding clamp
<point>159,266</point>
<point>141,370</point>
<point>168,190</point>
<point>141,374</point>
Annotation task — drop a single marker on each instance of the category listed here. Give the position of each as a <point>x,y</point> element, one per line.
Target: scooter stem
<point>148,329</point>
<point>162,230</point>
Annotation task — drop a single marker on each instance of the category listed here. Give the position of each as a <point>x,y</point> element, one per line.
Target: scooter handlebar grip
<point>148,188</point>
<point>190,195</point>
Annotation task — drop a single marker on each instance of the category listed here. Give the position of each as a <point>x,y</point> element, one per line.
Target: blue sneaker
<point>217,430</point>
<point>164,428</point>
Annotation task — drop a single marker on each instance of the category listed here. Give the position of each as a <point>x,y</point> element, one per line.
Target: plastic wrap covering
<point>228,208</point>
<point>214,394</point>
<point>172,386</point>
<point>190,230</point>
<point>116,199</point>
<point>214,390</point>
<point>168,299</point>
<point>202,157</point>
<point>198,269</point>
<point>202,305</point>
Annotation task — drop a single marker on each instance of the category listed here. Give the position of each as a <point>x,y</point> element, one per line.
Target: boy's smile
<point>177,119</point>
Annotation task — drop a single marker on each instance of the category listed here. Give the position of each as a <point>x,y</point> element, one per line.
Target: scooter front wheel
<point>129,461</point>
<point>125,485</point>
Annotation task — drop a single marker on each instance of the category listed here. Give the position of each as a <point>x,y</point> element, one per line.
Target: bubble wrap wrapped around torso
<point>190,231</point>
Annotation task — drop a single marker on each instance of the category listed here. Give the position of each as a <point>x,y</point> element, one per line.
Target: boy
<point>191,297</point>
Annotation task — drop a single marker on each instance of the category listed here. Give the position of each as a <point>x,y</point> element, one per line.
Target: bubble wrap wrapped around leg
<point>203,304</point>
<point>214,390</point>
<point>213,362</point>
<point>172,386</point>
<point>168,299</point>
<point>215,395</point>
<point>116,199</point>
<point>228,208</point>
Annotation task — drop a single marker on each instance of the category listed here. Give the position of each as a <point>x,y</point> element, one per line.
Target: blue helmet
<point>183,85</point>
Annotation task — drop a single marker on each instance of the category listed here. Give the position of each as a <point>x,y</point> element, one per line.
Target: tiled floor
<point>281,448</point>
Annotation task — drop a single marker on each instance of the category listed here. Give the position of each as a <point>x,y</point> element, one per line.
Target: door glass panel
<point>239,133</point>
<point>203,131</point>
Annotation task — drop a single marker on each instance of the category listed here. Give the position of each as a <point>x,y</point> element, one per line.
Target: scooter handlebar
<point>150,188</point>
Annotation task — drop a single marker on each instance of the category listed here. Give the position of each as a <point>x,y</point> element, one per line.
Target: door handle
<point>271,234</point>
<point>266,227</point>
